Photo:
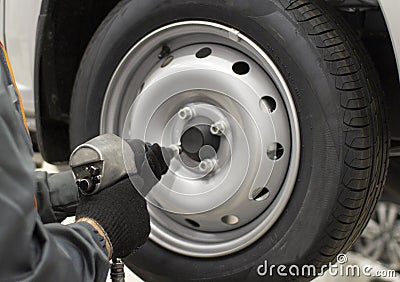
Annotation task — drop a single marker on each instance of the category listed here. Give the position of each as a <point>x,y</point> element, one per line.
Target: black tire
<point>343,130</point>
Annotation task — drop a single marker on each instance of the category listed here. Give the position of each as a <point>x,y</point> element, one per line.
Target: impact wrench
<point>105,159</point>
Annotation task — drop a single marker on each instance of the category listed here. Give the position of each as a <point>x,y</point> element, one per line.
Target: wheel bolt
<point>207,165</point>
<point>176,149</point>
<point>218,128</point>
<point>185,113</point>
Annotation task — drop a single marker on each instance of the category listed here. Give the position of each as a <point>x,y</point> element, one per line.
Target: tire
<point>344,139</point>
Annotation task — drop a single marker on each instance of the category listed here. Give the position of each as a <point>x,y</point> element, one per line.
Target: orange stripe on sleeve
<point>15,85</point>
<point>35,202</point>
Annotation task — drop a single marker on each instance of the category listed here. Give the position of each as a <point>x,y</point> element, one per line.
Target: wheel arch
<point>64,30</point>
<point>390,10</point>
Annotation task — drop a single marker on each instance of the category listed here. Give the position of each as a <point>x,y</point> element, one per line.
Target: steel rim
<point>219,76</point>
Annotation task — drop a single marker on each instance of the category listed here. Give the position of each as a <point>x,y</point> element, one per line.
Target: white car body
<point>18,33</point>
<point>391,9</point>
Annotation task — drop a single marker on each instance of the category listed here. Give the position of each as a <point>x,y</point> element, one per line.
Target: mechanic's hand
<point>152,162</point>
<point>120,210</point>
<point>122,213</point>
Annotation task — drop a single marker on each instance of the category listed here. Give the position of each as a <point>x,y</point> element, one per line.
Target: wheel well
<point>64,30</point>
<point>371,29</point>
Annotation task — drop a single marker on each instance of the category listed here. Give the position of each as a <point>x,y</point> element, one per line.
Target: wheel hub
<point>198,143</point>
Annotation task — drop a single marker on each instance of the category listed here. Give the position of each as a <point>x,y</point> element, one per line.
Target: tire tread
<point>366,141</point>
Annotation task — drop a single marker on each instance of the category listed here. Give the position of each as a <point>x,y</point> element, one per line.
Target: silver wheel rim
<point>380,240</point>
<point>237,194</point>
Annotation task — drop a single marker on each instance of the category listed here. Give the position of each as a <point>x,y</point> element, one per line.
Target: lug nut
<point>218,128</point>
<point>207,165</point>
<point>176,149</point>
<point>185,113</point>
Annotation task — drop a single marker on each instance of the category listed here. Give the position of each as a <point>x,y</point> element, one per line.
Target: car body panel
<point>19,31</point>
<point>2,21</point>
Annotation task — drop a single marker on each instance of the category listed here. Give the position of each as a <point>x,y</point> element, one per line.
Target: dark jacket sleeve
<point>56,195</point>
<point>29,249</point>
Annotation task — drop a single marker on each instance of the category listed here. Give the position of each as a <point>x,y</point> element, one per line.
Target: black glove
<point>152,162</point>
<point>122,212</point>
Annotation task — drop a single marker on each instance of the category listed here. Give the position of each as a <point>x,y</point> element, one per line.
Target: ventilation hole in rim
<point>204,52</point>
<point>275,151</point>
<point>230,219</point>
<point>261,194</point>
<point>268,104</point>
<point>192,222</point>
<point>241,68</point>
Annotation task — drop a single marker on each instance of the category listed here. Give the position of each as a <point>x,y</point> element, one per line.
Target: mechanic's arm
<point>29,249</point>
<point>56,195</point>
